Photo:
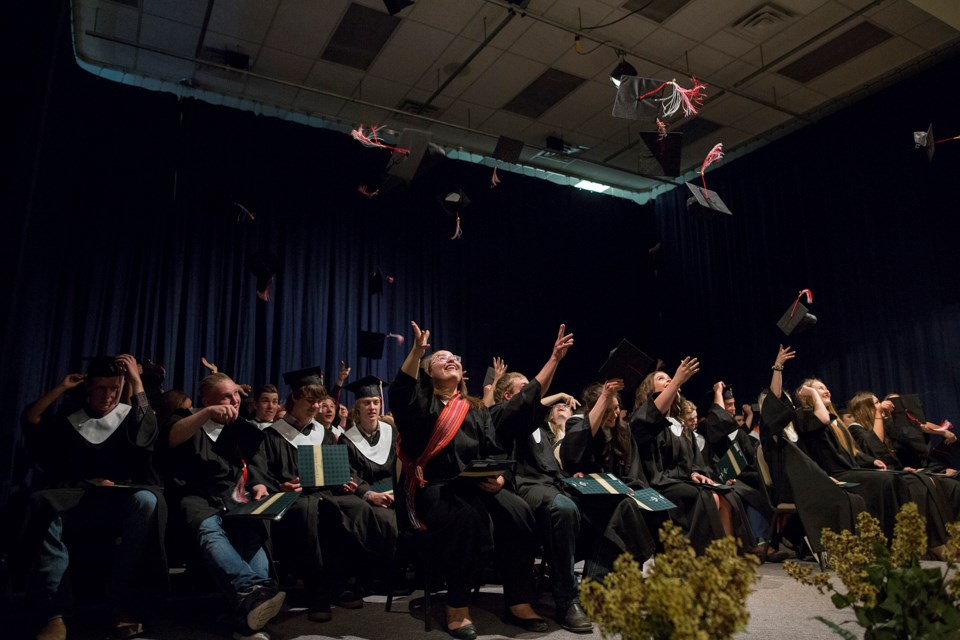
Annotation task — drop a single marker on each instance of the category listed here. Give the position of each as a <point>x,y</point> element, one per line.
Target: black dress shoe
<point>575,619</point>
<point>466,632</point>
<point>536,625</point>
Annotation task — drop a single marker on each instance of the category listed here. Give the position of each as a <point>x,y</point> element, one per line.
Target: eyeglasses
<point>444,357</point>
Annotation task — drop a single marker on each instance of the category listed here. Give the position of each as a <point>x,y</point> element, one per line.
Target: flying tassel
<point>366,193</point>
<point>212,367</point>
<point>397,337</point>
<point>243,211</point>
<point>373,140</point>
<point>804,292</point>
<point>494,179</point>
<point>688,100</point>
<point>458,231</point>
<point>715,154</point>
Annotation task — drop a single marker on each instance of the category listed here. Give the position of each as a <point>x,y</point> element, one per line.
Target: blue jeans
<point>235,558</point>
<point>563,520</point>
<point>133,514</point>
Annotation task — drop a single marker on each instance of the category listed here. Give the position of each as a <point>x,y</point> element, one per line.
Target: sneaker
<point>265,608</point>
<point>349,600</point>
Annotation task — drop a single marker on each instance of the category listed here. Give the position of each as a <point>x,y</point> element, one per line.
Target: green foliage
<point>891,594</point>
<point>686,597</point>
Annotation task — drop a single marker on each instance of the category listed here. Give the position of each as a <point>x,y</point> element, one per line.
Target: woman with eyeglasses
<point>441,431</point>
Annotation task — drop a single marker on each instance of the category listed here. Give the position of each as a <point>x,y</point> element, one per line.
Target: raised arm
<point>687,369</point>
<point>595,417</point>
<point>499,368</point>
<point>184,428</point>
<point>35,411</point>
<point>819,408</point>
<point>776,379</point>
<point>421,342</point>
<point>560,347</point>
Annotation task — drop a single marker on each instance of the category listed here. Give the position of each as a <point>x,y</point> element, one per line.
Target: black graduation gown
<point>883,492</point>
<point>821,503</point>
<point>587,453</point>
<point>716,430</point>
<point>67,461</point>
<point>461,519</point>
<point>660,457</point>
<point>937,499</point>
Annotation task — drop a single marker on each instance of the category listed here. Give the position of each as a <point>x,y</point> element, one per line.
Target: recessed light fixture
<point>592,186</point>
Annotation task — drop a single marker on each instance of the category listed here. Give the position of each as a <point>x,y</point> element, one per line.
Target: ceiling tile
<point>450,59</point>
<point>164,67</point>
<point>603,125</point>
<point>503,123</point>
<point>867,66</point>
<point>110,19</point>
<point>698,23</point>
<point>932,34</point>
<point>175,37</point>
<point>316,104</point>
<point>303,27</point>
<point>187,11</point>
<point>381,91</point>
<point>219,41</point>
<point>802,100</point>
<point>806,32</point>
<point>449,15</point>
<point>761,120</point>
<point>220,81</point>
<point>729,43</point>
<point>728,109</point>
<point>702,61</point>
<point>501,82</point>
<point>899,17</point>
<point>542,43</point>
<point>284,66</point>
<point>603,60</point>
<point>466,114</point>
<point>243,19</point>
<point>334,77</point>
<point>410,52</point>
<point>578,106</point>
<point>270,92</point>
<point>731,74</point>
<point>664,45</point>
<point>770,86</point>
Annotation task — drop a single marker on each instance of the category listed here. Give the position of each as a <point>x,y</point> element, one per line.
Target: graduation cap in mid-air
<point>654,103</point>
<point>376,280</point>
<point>508,149</point>
<point>924,140</point>
<point>797,317</point>
<point>453,202</point>
<point>421,155</point>
<point>705,203</point>
<point>370,343</point>
<point>628,363</point>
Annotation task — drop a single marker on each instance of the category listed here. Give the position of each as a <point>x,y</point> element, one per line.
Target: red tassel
<point>715,154</point>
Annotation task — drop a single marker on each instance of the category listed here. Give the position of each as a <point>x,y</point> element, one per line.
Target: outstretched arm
<point>421,342</point>
<point>776,379</point>
<point>687,369</point>
<point>610,389</point>
<point>35,411</point>
<point>560,347</point>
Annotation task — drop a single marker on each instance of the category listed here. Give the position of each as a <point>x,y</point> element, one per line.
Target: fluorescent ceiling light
<point>591,186</point>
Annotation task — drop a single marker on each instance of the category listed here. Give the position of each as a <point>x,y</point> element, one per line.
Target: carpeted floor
<point>779,609</point>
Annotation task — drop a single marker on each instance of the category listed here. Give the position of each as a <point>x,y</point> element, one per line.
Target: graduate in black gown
<point>441,431</point>
<point>97,481</point>
<point>372,446</point>
<point>668,453</point>
<point>796,478</point>
<point>937,498</point>
<point>266,404</point>
<point>828,442</point>
<point>216,463</point>
<point>721,431</point>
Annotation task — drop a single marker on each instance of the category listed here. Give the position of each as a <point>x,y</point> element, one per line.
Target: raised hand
<point>222,413</point>
<point>613,386</point>
<point>563,343</point>
<point>421,339</point>
<point>128,366</point>
<point>244,389</point>
<point>499,368</point>
<point>343,373</point>
<point>783,355</point>
<point>689,366</point>
<point>73,380</point>
<point>806,391</point>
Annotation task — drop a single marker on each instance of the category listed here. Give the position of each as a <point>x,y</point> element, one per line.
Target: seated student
<point>329,418</point>
<point>266,404</point>
<point>673,464</point>
<point>216,463</point>
<point>372,445</point>
<point>83,455</point>
<point>441,431</point>
<point>920,443</point>
<point>560,412</point>
<point>939,500</point>
<point>721,432</point>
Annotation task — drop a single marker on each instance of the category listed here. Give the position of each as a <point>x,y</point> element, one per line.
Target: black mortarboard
<point>925,140</point>
<point>420,156</point>
<point>367,387</point>
<point>907,410</point>
<point>704,203</point>
<point>370,344</point>
<point>508,149</point>
<point>662,156</point>
<point>454,202</point>
<point>302,377</point>
<point>796,318</point>
<point>629,105</point>
<point>628,363</point>
<point>264,266</point>
<point>489,376</point>
<point>103,367</point>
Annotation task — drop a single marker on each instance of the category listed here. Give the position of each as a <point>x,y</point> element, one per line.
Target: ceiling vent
<point>762,23</point>
<point>550,88</point>
<point>844,47</point>
<point>419,108</point>
<point>360,36</point>
<point>656,10</point>
<point>562,153</point>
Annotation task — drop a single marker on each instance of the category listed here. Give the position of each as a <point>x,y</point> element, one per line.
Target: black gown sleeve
<point>580,450</point>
